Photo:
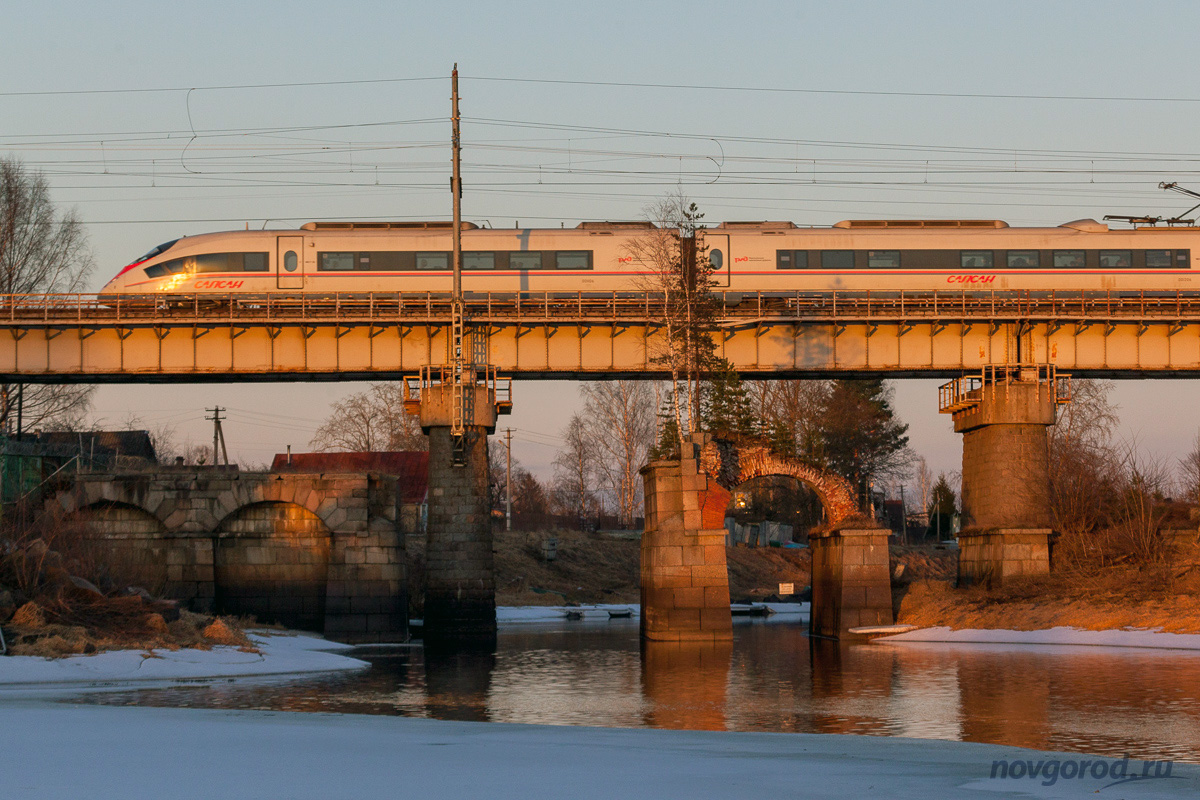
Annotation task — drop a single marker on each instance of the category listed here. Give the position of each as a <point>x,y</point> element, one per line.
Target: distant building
<point>26,464</point>
<point>98,450</point>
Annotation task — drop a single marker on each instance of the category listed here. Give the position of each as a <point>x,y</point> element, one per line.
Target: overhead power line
<point>160,89</point>
<point>620,85</point>
<point>866,92</point>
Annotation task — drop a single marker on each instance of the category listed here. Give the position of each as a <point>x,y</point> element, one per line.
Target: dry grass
<point>47,611</point>
<point>591,568</point>
<point>1119,598</point>
<point>151,631</point>
<point>596,569</point>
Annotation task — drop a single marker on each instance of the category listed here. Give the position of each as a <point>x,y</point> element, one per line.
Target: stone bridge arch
<point>348,552</point>
<point>731,464</point>
<point>271,559</point>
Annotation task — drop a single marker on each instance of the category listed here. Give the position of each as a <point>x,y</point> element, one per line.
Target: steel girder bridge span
<point>588,335</point>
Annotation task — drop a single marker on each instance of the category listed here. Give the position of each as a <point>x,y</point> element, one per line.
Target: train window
<point>335,262</point>
<point>289,261</point>
<point>433,261</point>
<point>525,260</point>
<point>172,267</point>
<point>1183,259</point>
<point>254,262</point>
<point>1116,259</point>
<point>1023,259</point>
<point>162,248</point>
<point>837,259</point>
<point>573,259</point>
<point>883,259</point>
<point>215,262</point>
<point>976,259</point>
<point>1069,259</point>
<point>791,259</point>
<point>1158,259</point>
<point>716,259</point>
<point>479,260</point>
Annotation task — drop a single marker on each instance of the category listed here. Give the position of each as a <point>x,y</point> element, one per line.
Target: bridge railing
<point>738,308</point>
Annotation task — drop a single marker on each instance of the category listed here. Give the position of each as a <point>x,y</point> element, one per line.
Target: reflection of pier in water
<point>772,677</point>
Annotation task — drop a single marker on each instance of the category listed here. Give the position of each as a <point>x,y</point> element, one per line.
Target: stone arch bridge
<point>319,552</point>
<point>685,578</point>
<point>733,464</point>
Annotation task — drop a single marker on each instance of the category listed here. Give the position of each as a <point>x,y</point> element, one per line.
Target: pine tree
<point>942,509</point>
<point>727,411</point>
<point>861,439</point>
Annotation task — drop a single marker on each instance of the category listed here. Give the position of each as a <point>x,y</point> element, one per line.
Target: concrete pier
<point>1006,480</point>
<point>851,580</point>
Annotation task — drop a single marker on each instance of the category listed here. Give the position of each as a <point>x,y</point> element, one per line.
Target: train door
<point>289,263</point>
<point>720,258</point>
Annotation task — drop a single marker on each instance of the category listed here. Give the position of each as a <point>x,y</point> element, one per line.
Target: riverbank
<point>1126,599</point>
<point>188,753</point>
<point>273,654</point>
<point>598,568</point>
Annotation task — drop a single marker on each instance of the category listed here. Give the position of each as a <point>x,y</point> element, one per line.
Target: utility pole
<point>903,514</point>
<point>462,376</point>
<point>508,479</point>
<point>218,434</point>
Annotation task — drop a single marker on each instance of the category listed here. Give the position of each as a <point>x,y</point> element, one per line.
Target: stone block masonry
<point>684,576</point>
<point>993,556</point>
<point>318,552</point>
<point>460,579</point>
<point>1005,482</point>
<point>851,581</point>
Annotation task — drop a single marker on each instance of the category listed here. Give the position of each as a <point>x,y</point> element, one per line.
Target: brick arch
<point>734,464</point>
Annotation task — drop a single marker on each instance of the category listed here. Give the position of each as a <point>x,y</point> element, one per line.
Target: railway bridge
<point>601,335</point>
<point>1006,353</point>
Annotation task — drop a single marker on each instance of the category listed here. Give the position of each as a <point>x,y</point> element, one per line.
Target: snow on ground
<point>281,655</point>
<point>1053,636</point>
<point>69,752</point>
<point>514,615</point>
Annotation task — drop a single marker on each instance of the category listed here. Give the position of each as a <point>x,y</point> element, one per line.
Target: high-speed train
<point>855,255</point>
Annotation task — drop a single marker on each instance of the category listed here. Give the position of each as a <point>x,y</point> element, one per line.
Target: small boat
<point>750,610</point>
<point>620,613</point>
<point>875,631</point>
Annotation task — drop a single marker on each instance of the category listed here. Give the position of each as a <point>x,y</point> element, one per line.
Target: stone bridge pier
<point>1003,417</point>
<point>684,575</point>
<point>460,579</point>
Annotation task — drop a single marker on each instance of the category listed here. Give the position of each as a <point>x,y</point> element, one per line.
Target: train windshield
<point>162,248</point>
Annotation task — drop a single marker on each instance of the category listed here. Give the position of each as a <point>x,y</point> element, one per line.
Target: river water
<point>1099,701</point>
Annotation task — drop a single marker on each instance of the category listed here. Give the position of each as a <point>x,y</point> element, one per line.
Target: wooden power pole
<point>218,435</point>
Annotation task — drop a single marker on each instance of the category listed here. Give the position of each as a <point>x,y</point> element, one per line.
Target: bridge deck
<point>146,338</point>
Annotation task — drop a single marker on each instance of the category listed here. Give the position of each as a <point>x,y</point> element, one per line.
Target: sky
<point>156,121</point>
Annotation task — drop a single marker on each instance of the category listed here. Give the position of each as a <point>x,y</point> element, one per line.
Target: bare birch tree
<point>574,472</point>
<point>41,252</point>
<point>371,421</point>
<point>796,406</point>
<point>676,269</point>
<point>620,424</point>
<point>1085,466</point>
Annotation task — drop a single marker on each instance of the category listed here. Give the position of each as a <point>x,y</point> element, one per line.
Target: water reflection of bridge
<point>772,677</point>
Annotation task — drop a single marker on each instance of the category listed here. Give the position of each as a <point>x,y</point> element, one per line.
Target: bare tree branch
<point>41,251</point>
